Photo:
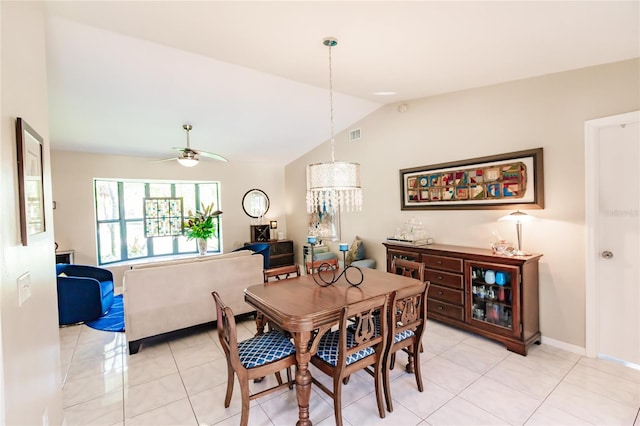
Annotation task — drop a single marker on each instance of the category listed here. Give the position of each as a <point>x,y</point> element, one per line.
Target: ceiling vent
<point>354,135</point>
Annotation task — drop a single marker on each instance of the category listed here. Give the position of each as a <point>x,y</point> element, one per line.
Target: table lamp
<point>518,217</point>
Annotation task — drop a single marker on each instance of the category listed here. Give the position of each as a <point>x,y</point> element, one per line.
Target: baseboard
<point>564,346</point>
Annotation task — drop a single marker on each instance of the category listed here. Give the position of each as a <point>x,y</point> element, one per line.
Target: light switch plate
<point>24,288</point>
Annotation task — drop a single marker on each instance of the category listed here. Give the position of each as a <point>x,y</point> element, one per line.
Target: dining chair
<point>256,357</point>
<point>312,267</point>
<point>407,320</point>
<point>279,273</point>
<point>408,268</point>
<point>343,352</point>
<point>282,272</point>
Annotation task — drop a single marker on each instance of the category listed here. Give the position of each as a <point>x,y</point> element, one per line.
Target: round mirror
<point>255,203</point>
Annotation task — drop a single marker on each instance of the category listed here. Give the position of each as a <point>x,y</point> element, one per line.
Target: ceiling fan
<point>189,156</point>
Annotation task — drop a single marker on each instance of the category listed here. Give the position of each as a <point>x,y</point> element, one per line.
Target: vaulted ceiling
<point>252,77</point>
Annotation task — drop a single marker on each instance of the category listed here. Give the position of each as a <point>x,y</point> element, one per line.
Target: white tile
<point>459,412</point>
<point>283,409</point>
<point>556,351</point>
<point>257,417</point>
<point>473,358</point>
<point>591,406</point>
<point>606,384</point>
<point>189,338</point>
<point>151,395</point>
<point>209,405</point>
<point>105,410</point>
<point>96,364</point>
<point>148,349</point>
<point>548,415</point>
<point>88,388</point>
<point>151,369</point>
<point>541,361</point>
<point>530,382</point>
<point>175,413</point>
<point>360,384</point>
<point>502,401</point>
<point>105,339</point>
<point>487,345</point>
<point>404,391</point>
<point>187,357</point>
<point>612,368</point>
<point>438,343</point>
<point>365,412</point>
<point>204,376</point>
<point>451,376</point>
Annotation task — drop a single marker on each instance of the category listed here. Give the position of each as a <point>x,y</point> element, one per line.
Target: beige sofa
<point>168,296</point>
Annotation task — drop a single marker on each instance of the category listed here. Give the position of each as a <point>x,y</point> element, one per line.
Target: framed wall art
<point>506,181</point>
<point>30,181</point>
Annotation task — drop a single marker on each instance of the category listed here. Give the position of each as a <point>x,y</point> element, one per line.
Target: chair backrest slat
<point>327,264</point>
<point>282,272</point>
<point>408,268</point>
<point>362,315</point>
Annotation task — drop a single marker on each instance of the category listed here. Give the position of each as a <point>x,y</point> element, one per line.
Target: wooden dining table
<point>307,310</point>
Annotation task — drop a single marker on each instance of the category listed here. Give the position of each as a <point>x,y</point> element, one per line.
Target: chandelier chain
<point>333,155</point>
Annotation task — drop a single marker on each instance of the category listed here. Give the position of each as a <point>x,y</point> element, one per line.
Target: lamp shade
<point>517,216</point>
<point>336,183</point>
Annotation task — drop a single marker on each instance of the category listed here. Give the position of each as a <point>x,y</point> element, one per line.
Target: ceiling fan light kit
<point>189,156</point>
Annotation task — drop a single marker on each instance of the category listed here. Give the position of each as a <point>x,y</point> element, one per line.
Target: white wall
<point>547,112</point>
<point>30,341</point>
<point>73,174</point>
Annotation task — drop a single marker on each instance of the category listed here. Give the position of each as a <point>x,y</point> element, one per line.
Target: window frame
<point>122,220</point>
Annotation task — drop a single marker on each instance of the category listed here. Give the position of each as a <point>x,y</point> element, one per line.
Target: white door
<point>613,218</point>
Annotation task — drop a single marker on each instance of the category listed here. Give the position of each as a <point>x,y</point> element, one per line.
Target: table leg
<point>303,377</point>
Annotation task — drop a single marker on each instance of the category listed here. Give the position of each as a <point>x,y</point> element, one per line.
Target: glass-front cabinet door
<point>493,297</point>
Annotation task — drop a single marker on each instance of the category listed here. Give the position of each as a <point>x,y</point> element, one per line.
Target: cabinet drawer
<point>284,247</point>
<point>445,309</point>
<point>455,297</point>
<point>443,278</point>
<point>443,263</point>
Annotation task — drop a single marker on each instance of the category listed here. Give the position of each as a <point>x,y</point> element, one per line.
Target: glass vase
<point>202,246</point>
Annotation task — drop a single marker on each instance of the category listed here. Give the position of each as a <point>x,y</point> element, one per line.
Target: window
<point>120,229</point>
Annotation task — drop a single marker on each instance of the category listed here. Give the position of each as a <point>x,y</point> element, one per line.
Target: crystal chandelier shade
<point>337,183</point>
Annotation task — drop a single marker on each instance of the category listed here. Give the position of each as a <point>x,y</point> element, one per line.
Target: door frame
<point>592,269</point>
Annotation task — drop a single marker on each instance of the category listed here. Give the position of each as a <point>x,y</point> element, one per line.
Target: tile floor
<point>468,381</point>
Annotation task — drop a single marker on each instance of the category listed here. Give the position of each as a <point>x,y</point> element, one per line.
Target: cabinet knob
<point>439,277</point>
<point>439,262</point>
<point>440,307</point>
<point>440,292</point>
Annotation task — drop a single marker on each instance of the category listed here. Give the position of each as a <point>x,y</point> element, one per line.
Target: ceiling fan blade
<point>211,155</point>
<point>163,160</point>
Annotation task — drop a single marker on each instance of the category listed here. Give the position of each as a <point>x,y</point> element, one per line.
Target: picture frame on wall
<point>513,180</point>
<point>30,181</point>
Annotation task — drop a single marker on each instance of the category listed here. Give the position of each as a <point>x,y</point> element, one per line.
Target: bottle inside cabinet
<point>492,296</point>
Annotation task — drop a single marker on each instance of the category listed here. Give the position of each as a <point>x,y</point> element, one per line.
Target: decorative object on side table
<point>344,247</point>
<point>412,232</point>
<point>202,225</point>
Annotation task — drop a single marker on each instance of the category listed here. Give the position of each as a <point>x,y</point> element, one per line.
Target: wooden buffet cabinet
<point>492,295</point>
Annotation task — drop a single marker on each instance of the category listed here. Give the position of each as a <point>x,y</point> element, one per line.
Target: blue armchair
<point>259,248</point>
<point>85,292</point>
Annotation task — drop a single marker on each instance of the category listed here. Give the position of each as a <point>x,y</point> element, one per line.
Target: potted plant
<point>201,226</point>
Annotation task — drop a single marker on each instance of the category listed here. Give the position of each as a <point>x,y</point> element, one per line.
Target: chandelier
<point>335,184</point>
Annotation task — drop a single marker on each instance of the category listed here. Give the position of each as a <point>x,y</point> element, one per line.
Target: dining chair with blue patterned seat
<point>259,356</point>
<point>343,352</point>
<point>407,320</point>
